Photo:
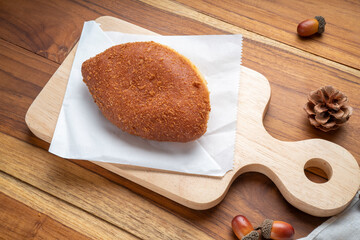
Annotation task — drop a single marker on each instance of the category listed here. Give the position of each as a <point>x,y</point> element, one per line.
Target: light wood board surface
<point>256,150</point>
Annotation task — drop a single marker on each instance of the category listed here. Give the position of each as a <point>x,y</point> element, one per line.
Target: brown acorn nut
<point>277,230</point>
<point>243,228</point>
<point>311,26</point>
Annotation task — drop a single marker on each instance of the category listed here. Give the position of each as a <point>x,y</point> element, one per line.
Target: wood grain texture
<point>182,10</point>
<point>38,29</point>
<point>13,224</point>
<point>22,76</point>
<point>92,193</point>
<point>60,211</point>
<point>278,20</point>
<point>51,28</point>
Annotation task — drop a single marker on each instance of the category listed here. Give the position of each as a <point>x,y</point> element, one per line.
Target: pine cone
<point>327,108</point>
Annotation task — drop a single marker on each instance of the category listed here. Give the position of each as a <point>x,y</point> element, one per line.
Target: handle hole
<point>318,170</point>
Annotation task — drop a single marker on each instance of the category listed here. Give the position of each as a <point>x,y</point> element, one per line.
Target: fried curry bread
<point>149,90</point>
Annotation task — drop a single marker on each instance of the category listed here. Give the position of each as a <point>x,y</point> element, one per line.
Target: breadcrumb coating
<point>149,90</point>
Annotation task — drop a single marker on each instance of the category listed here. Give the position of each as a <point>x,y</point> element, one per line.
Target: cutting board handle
<point>321,199</point>
<point>284,162</point>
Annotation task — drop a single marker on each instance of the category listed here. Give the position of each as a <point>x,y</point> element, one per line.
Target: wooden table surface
<point>45,197</point>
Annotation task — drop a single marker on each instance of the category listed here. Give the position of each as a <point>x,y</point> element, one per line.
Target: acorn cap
<point>253,235</point>
<point>322,23</point>
<point>266,227</point>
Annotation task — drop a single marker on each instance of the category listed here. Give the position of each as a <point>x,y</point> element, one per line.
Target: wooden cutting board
<point>255,150</point>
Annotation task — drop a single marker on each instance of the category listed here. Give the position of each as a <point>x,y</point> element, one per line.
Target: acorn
<point>277,230</point>
<point>311,26</point>
<point>243,229</point>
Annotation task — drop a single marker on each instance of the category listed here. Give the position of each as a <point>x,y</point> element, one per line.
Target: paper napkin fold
<point>345,225</point>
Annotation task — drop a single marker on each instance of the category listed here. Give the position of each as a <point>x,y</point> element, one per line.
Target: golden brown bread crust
<point>149,90</point>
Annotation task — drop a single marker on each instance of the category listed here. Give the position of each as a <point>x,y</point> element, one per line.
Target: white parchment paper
<point>82,132</point>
